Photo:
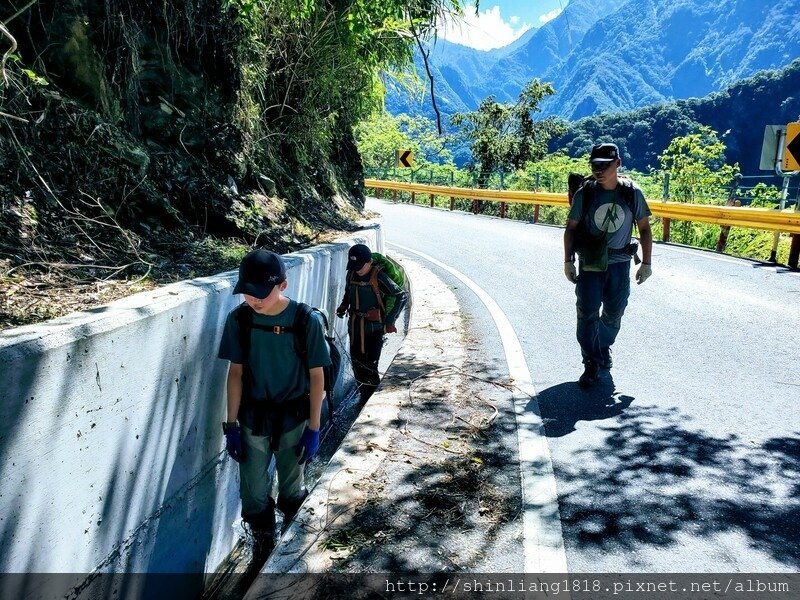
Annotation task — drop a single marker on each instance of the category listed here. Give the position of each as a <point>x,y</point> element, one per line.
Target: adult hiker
<point>599,228</point>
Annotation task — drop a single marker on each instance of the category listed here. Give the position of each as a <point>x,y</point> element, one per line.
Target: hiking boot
<point>261,528</point>
<point>606,363</point>
<point>589,377</point>
<point>263,545</point>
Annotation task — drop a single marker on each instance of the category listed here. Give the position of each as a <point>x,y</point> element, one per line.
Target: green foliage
<point>314,69</point>
<point>764,196</point>
<point>382,134</point>
<point>696,167</point>
<point>504,136</point>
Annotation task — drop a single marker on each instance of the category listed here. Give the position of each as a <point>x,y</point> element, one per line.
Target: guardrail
<point>726,216</point>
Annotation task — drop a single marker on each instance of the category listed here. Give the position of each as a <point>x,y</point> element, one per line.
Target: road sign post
<point>773,257</point>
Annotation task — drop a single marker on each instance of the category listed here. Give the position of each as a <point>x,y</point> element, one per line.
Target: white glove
<point>570,272</point>
<point>643,273</point>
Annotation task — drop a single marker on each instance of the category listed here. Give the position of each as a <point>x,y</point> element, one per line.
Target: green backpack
<point>395,273</point>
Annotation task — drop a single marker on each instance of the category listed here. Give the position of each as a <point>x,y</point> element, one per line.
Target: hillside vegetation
<point>138,136</point>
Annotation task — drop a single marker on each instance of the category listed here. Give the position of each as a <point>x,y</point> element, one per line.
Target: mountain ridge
<point>619,55</point>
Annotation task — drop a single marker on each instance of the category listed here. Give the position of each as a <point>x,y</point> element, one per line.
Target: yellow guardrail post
<point>773,256</point>
<point>665,222</point>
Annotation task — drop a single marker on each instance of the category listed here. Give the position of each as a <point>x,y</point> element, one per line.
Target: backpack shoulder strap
<point>300,329</point>
<point>373,282</point>
<point>588,195</point>
<point>628,192</point>
<point>244,318</point>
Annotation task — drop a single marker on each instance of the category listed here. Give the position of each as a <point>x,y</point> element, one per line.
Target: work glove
<point>643,273</point>
<point>308,446</point>
<point>570,271</point>
<point>233,441</point>
<point>391,329</point>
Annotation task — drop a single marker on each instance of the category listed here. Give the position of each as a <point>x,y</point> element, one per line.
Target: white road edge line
<point>543,538</point>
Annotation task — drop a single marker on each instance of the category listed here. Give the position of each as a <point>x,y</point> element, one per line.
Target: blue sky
<point>500,22</point>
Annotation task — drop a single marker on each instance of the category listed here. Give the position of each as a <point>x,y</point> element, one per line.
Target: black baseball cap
<point>358,256</point>
<point>259,272</point>
<point>604,153</point>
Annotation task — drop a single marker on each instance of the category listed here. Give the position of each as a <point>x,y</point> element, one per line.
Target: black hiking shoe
<point>606,363</point>
<point>589,377</point>
<point>260,528</point>
<point>263,545</point>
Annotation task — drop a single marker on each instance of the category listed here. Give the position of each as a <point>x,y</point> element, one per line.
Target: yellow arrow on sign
<point>405,158</point>
<point>791,151</point>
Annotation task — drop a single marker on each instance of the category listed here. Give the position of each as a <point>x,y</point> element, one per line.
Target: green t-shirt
<point>278,373</point>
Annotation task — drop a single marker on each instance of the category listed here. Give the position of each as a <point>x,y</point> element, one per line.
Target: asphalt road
<point>686,458</point>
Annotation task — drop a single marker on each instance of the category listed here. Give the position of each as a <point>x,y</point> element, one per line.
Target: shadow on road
<point>651,479</point>
<point>563,405</point>
<point>449,492</point>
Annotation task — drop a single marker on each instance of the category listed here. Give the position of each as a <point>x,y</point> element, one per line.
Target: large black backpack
<point>299,328</point>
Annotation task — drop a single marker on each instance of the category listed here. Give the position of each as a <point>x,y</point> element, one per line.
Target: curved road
<point>687,457</point>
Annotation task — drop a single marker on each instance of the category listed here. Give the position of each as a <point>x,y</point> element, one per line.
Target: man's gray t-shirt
<point>609,213</point>
<point>278,373</point>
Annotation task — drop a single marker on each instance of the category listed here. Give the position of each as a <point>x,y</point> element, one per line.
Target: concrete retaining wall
<point>111,453</point>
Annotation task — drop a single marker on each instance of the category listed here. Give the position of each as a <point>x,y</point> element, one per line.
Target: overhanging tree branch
<point>430,77</point>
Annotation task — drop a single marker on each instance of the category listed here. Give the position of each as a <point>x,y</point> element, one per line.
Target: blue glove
<point>308,445</point>
<point>233,441</point>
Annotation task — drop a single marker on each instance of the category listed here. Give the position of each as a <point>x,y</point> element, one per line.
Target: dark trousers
<point>609,289</point>
<point>365,364</point>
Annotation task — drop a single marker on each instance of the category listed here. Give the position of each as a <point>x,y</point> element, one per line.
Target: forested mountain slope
<point>134,133</point>
<point>619,55</point>
<point>740,112</point>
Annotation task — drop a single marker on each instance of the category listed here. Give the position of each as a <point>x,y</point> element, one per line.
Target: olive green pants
<point>255,476</point>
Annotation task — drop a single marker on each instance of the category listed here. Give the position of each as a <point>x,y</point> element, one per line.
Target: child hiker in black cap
<point>368,287</point>
<point>274,397</point>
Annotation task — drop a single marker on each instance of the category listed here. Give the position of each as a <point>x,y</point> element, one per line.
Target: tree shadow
<point>452,490</point>
<point>653,481</point>
<point>650,483</point>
